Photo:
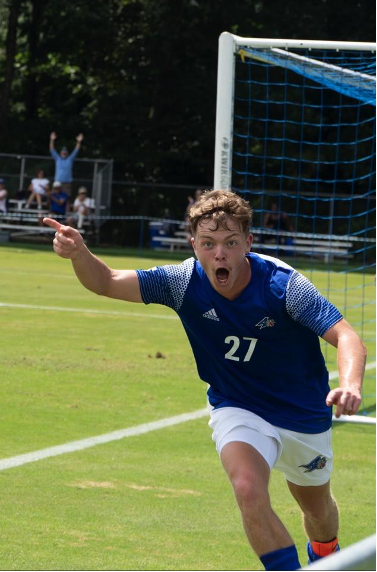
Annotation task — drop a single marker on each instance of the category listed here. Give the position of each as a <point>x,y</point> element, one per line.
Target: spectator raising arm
<point>79,139</point>
<point>64,162</point>
<point>53,136</point>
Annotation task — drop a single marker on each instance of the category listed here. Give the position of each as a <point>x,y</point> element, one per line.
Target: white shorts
<point>305,459</point>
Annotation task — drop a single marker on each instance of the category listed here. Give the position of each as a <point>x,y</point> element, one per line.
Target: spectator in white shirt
<point>81,208</point>
<point>39,186</point>
<point>3,197</point>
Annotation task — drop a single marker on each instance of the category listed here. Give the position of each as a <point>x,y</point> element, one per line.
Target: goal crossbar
<point>304,44</point>
<point>349,82</point>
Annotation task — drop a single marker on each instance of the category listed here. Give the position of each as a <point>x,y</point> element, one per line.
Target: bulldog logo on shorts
<point>317,463</point>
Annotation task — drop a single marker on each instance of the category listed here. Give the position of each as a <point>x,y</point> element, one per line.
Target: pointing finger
<point>53,223</point>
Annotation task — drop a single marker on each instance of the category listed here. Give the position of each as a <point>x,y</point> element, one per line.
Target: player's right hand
<point>68,241</point>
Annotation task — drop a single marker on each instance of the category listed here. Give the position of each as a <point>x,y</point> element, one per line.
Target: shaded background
<point>138,77</point>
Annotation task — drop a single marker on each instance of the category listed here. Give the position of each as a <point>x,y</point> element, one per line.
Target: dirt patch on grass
<point>93,485</point>
<point>164,492</point>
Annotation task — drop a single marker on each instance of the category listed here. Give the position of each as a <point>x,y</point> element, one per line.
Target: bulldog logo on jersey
<point>265,323</point>
<point>317,463</point>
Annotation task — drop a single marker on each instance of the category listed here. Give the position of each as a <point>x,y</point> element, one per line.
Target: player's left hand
<point>347,400</point>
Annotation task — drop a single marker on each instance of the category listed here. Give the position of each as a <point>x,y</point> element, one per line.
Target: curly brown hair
<point>219,206</point>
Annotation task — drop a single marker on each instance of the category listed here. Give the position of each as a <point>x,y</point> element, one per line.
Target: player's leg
<point>306,461</point>
<point>249,475</point>
<point>248,447</point>
<point>320,512</point>
<point>321,518</point>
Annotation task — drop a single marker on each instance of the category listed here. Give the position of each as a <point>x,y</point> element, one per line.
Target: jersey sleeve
<point>308,307</point>
<point>166,285</point>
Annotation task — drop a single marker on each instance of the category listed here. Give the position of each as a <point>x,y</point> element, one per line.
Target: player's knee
<point>249,492</point>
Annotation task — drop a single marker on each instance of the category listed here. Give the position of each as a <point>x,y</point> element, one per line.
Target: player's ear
<point>249,242</point>
<point>193,243</point>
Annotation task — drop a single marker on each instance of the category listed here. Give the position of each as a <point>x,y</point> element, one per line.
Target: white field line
<point>105,313</point>
<point>86,311</point>
<point>115,435</point>
<point>100,439</point>
<point>41,274</point>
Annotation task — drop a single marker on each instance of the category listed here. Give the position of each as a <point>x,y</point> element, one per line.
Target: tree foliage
<point>138,77</point>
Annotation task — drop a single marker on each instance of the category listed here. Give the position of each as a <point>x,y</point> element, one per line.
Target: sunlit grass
<point>157,501</point>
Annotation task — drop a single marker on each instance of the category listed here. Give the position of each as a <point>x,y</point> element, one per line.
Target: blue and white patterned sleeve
<point>308,307</point>
<point>166,285</point>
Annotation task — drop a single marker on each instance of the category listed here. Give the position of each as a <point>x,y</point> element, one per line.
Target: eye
<point>232,243</point>
<point>207,244</point>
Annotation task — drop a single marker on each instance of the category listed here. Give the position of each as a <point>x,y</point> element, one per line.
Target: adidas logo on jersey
<point>211,314</point>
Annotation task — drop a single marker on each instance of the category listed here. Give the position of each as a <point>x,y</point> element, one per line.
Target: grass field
<point>75,366</point>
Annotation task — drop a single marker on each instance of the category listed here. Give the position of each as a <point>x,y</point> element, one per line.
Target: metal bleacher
<point>26,223</point>
<point>301,244</point>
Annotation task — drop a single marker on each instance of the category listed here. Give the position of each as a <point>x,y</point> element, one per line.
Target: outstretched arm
<point>79,139</point>
<point>351,365</point>
<point>92,272</point>
<point>52,140</point>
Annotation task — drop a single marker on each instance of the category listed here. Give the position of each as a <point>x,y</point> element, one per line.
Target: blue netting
<point>304,145</point>
<point>303,142</point>
<point>348,80</point>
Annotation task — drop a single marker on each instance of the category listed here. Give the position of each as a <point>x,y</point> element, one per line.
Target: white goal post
<point>228,45</point>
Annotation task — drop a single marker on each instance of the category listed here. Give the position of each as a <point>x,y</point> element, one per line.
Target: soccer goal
<point>296,134</point>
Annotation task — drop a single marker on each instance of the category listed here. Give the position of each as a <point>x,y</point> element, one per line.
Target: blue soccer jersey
<point>261,351</point>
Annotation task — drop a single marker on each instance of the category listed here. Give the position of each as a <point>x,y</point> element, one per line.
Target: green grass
<point>159,501</point>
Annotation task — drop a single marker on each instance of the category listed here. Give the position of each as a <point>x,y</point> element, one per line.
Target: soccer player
<point>253,323</point>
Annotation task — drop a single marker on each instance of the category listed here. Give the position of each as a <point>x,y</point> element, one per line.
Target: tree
<point>10,52</point>
<point>138,77</point>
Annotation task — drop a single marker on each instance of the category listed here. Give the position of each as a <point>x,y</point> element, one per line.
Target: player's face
<point>221,253</point>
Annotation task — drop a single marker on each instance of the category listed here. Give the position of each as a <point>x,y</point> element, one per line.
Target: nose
<point>219,254</point>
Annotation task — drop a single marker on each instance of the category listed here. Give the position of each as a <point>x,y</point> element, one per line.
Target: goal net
<point>295,134</point>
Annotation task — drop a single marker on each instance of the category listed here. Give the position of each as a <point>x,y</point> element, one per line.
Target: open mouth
<point>222,275</point>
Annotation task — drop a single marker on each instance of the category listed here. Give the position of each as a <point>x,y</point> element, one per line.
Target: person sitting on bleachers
<point>39,186</point>
<point>3,197</point>
<point>81,209</point>
<point>278,221</point>
<point>58,201</point>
